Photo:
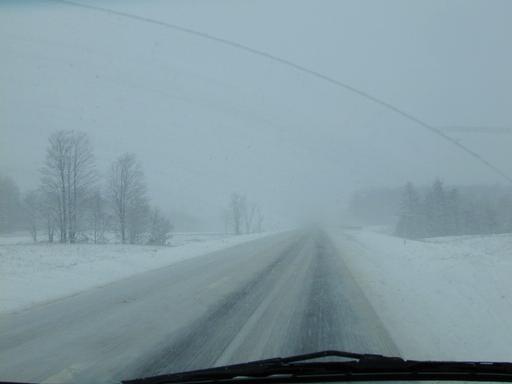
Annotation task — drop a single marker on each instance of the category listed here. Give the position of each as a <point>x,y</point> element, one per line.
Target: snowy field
<point>443,298</point>
<point>177,238</point>
<point>15,238</point>
<point>33,273</point>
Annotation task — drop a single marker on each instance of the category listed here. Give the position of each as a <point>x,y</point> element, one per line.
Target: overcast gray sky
<point>206,119</point>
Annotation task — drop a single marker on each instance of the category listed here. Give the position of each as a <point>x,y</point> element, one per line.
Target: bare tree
<point>49,211</point>
<point>127,190</point>
<point>69,172</point>
<point>54,176</point>
<point>83,176</point>
<point>248,216</point>
<point>242,215</point>
<point>237,211</point>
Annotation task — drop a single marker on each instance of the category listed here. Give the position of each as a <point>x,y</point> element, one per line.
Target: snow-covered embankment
<point>444,298</point>
<point>35,273</point>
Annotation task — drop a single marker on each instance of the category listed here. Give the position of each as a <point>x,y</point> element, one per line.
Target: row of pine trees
<point>442,211</point>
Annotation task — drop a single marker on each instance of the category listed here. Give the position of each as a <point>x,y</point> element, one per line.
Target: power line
<point>488,130</point>
<point>299,68</point>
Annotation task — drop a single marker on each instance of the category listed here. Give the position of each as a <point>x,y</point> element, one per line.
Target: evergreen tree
<point>453,212</point>
<point>435,210</point>
<point>410,221</point>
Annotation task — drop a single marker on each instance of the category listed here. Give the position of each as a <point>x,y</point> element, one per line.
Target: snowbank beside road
<point>444,298</point>
<point>34,273</point>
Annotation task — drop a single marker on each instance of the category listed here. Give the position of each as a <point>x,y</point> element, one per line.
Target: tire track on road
<point>201,343</point>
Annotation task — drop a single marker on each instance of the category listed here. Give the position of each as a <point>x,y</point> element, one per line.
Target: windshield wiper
<point>359,367</point>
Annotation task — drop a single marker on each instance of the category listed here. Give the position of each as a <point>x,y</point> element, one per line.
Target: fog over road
<point>283,294</point>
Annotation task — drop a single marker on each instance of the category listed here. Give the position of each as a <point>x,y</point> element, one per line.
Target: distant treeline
<point>437,210</point>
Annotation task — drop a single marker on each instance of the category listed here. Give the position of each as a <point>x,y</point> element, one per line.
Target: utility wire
<point>492,130</point>
<point>299,68</point>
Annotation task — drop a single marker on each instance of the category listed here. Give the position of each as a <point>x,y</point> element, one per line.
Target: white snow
<point>444,298</point>
<point>34,273</point>
<point>21,237</point>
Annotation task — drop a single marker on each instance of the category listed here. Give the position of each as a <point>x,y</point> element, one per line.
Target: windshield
<point>190,184</point>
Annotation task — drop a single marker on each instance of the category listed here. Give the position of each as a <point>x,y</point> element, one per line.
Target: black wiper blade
<point>360,367</point>
<point>258,367</point>
<point>328,353</point>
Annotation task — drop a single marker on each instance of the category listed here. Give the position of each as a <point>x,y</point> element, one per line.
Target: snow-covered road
<point>283,294</point>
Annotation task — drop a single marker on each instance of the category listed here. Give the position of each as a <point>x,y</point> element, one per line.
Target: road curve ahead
<point>283,294</point>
